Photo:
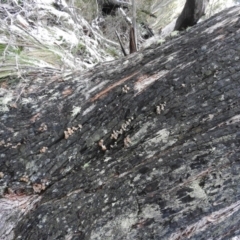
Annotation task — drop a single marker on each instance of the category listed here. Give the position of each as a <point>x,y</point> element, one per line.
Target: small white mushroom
<point>120,131</point>
<point>114,135</point>
<point>125,88</point>
<point>124,127</point>
<point>43,150</point>
<point>160,107</point>
<point>158,110</point>
<point>103,147</point>
<point>127,141</point>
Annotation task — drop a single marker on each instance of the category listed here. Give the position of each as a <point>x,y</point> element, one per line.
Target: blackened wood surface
<point>110,6</point>
<point>146,147</point>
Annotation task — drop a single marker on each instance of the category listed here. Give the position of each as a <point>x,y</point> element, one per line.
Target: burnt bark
<point>132,42</point>
<point>109,7</point>
<point>145,147</point>
<point>147,31</point>
<point>193,10</point>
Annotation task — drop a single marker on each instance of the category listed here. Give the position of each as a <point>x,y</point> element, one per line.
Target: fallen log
<point>145,147</point>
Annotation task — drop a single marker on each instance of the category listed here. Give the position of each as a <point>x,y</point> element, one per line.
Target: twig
<point>148,13</point>
<point>134,24</point>
<point>128,20</point>
<point>121,44</point>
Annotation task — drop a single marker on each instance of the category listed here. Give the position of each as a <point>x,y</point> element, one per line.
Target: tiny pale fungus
<point>127,141</point>
<point>43,150</point>
<point>103,147</point>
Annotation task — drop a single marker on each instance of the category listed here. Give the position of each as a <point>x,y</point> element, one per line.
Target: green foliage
<point>2,48</point>
<point>81,47</point>
<point>112,52</point>
<point>174,33</point>
<point>216,6</point>
<point>87,8</point>
<point>143,10</point>
<point>18,50</point>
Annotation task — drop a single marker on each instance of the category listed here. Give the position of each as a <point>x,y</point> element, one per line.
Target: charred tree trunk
<point>109,7</point>
<point>192,12</point>
<point>146,147</point>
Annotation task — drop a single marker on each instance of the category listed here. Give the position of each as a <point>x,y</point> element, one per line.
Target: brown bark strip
<point>132,42</point>
<point>105,91</point>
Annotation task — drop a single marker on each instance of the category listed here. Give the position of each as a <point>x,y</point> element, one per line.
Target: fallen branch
<point>121,44</point>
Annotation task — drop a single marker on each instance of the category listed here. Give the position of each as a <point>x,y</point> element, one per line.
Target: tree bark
<point>132,43</point>
<point>109,6</point>
<point>145,147</point>
<point>134,23</point>
<point>191,13</point>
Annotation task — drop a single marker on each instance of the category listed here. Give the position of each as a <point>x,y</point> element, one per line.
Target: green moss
<point>174,33</point>
<point>86,165</point>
